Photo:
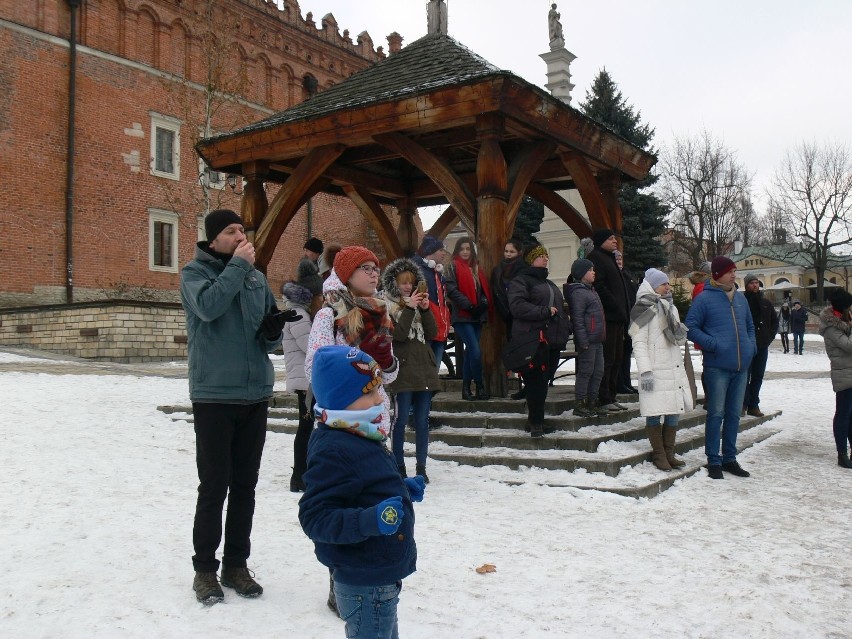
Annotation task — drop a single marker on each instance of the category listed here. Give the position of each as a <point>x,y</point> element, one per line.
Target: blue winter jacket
<point>224,305</point>
<point>347,477</point>
<point>723,329</point>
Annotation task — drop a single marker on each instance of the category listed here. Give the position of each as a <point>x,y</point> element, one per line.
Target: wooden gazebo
<point>434,123</point>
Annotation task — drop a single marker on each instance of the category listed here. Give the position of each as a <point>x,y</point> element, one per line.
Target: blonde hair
<point>354,321</point>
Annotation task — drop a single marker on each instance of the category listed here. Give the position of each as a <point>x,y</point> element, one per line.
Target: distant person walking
<point>835,325</point>
<point>798,319</point>
<point>784,326</point>
<point>719,321</point>
<point>664,390</point>
<point>765,328</point>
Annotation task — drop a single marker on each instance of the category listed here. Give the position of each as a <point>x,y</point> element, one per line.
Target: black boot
<point>466,394</point>
<point>481,393</point>
<point>421,470</point>
<point>536,430</point>
<point>843,460</point>
<point>297,485</point>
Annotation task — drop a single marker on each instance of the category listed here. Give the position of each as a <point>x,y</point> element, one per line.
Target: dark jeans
<point>843,419</point>
<point>438,349</point>
<point>468,333</point>
<point>536,379</point>
<point>798,342</point>
<point>420,401</point>
<point>612,355</point>
<point>229,442</point>
<point>303,434</point>
<point>755,378</point>
<point>589,372</point>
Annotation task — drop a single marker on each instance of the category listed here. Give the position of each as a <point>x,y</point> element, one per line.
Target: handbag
<point>520,350</point>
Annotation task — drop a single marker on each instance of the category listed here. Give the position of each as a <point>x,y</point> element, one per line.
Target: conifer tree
<point>644,214</point>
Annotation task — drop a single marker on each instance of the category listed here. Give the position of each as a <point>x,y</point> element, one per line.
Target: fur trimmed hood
<point>391,272</point>
<point>696,277</point>
<point>297,295</point>
<point>827,320</point>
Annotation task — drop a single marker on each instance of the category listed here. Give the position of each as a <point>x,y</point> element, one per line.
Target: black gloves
<point>479,310</point>
<point>272,324</point>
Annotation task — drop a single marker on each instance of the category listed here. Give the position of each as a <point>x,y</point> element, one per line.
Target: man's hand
<point>272,324</point>
<point>245,250</point>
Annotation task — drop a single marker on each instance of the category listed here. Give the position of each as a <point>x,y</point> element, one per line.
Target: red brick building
<point>152,77</point>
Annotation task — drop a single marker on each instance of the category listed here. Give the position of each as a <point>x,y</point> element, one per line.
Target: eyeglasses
<point>369,270</point>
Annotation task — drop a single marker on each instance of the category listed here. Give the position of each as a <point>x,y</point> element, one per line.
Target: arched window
<point>309,86</point>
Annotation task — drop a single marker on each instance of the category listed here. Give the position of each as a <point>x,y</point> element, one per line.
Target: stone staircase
<point>609,454</point>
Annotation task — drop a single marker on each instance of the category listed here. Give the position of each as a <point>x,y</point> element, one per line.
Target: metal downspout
<point>69,174</point>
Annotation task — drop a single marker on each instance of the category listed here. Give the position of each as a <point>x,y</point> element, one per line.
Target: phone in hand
<point>421,286</point>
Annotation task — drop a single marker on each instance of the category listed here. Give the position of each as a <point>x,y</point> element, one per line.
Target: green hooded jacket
<point>224,305</point>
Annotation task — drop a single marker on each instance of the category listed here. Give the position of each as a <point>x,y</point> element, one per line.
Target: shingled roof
<point>432,62</point>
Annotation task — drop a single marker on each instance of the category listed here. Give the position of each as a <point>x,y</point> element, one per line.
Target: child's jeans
<point>369,611</point>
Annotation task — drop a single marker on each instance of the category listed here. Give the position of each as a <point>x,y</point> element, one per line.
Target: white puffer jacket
<point>653,352</point>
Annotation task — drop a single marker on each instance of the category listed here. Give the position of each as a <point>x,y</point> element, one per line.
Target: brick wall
<point>114,331</point>
<point>136,58</point>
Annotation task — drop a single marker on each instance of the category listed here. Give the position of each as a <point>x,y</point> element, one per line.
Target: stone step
<point>620,485</point>
<point>608,459</point>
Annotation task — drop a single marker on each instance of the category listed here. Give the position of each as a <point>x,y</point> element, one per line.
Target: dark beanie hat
<point>307,275</point>
<point>721,265</point>
<point>218,220</point>
<point>601,235</point>
<point>429,245</point>
<point>840,300</point>
<point>580,267</point>
<point>314,244</point>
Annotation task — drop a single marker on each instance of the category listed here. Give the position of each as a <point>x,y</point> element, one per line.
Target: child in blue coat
<point>357,509</point>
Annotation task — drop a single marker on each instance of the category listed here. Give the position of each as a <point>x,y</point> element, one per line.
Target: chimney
<point>738,247</point>
<point>394,42</point>
<point>436,17</point>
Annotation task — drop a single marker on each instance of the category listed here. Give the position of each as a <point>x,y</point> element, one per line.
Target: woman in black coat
<point>536,306</point>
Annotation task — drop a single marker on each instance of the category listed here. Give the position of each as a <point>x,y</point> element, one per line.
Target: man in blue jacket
<point>720,322</point>
<point>232,323</point>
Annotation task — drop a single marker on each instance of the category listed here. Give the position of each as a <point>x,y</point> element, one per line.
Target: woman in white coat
<point>664,390</point>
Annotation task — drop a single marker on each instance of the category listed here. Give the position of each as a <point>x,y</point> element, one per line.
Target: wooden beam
<point>523,168</point>
<point>438,171</point>
<point>377,219</point>
<point>445,223</point>
<point>253,205</point>
<point>290,197</point>
<point>559,205</point>
<point>610,187</point>
<point>407,229</point>
<point>340,174</point>
<point>589,189</point>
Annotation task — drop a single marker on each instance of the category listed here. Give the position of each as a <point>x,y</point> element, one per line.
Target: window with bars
<point>163,240</point>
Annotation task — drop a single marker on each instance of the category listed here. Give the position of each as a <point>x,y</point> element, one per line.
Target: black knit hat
<point>840,300</point>
<point>314,245</point>
<point>218,220</point>
<point>601,235</point>
<point>580,267</point>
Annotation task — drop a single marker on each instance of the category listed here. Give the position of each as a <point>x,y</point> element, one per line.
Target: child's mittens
<point>416,487</point>
<point>389,515</point>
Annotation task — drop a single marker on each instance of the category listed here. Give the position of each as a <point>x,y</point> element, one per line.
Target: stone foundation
<point>117,330</point>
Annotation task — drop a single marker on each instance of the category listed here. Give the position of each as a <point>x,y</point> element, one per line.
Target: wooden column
<point>610,185</point>
<point>254,204</point>
<point>407,230</point>
<point>491,233</point>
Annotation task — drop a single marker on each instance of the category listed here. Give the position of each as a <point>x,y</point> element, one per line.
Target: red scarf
<point>467,285</point>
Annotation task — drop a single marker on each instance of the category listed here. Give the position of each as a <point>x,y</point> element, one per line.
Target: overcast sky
<point>763,75</point>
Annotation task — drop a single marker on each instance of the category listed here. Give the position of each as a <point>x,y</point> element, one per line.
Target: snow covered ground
<point>98,490</point>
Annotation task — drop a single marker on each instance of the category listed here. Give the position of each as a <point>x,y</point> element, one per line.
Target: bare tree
<point>708,191</point>
<point>812,193</point>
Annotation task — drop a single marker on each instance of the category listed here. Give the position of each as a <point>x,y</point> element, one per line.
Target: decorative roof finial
<point>554,28</point>
<point>436,17</point>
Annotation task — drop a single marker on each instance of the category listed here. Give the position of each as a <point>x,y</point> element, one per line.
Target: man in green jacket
<point>232,324</point>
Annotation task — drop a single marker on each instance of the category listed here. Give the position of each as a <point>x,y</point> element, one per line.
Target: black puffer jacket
<point>611,287</point>
<point>764,316</point>
<point>413,329</point>
<point>530,294</point>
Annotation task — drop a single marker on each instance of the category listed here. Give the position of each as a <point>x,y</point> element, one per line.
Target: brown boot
<point>669,435</point>
<point>658,456</point>
<point>240,579</point>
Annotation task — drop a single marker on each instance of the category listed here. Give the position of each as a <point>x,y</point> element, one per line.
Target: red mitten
<point>379,347</point>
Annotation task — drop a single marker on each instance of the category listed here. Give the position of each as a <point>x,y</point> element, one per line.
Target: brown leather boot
<point>669,435</point>
<point>658,455</point>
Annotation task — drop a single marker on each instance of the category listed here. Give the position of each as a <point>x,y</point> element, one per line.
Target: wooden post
<point>491,234</point>
<point>610,185</point>
<point>407,230</point>
<point>254,203</point>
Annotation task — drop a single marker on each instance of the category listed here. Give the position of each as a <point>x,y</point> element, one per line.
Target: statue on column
<point>554,28</point>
